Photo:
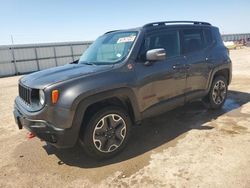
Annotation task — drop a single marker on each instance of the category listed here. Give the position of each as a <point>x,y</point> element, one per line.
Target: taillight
<point>54,96</point>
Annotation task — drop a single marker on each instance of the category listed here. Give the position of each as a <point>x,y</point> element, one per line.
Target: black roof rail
<point>173,22</point>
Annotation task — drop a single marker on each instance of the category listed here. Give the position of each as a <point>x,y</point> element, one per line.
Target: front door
<point>163,80</point>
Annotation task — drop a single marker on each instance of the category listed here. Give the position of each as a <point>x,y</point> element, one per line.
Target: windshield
<point>109,48</point>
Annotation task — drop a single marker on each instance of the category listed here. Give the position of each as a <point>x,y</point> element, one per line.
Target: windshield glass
<point>109,48</point>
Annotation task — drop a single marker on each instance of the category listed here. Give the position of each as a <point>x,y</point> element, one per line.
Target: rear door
<point>196,44</point>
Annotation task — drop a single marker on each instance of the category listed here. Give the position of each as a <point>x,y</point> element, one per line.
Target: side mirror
<point>158,54</point>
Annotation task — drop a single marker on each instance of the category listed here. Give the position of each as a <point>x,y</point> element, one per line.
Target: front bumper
<point>60,138</point>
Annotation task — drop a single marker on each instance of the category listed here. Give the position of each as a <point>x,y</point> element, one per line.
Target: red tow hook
<point>30,135</point>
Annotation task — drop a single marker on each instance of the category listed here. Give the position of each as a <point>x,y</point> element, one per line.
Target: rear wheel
<point>106,133</point>
<point>218,93</point>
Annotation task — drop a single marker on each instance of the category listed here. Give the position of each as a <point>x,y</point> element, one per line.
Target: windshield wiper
<point>88,63</point>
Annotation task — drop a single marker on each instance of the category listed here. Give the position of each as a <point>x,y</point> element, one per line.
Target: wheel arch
<point>224,71</point>
<point>123,97</point>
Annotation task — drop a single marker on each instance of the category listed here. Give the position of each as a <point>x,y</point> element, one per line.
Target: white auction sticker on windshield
<point>126,39</point>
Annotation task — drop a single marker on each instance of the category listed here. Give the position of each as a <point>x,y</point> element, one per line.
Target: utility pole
<point>12,39</point>
<point>13,54</point>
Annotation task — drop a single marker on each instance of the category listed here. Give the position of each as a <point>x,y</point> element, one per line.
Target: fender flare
<point>81,104</point>
<point>215,70</point>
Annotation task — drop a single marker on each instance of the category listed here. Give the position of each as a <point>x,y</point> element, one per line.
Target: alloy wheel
<point>109,133</point>
<point>219,92</point>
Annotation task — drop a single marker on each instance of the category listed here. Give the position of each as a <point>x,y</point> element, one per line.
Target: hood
<point>44,78</point>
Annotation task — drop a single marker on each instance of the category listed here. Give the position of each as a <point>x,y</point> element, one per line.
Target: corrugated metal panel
<point>23,54</point>
<point>77,50</point>
<point>5,56</point>
<point>45,52</point>
<point>46,63</point>
<point>26,66</point>
<point>63,51</point>
<point>7,69</point>
<point>63,61</point>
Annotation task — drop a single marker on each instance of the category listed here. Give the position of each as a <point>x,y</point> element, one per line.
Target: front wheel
<point>106,132</point>
<point>218,93</point>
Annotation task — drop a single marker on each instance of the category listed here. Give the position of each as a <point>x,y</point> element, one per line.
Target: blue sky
<point>35,21</point>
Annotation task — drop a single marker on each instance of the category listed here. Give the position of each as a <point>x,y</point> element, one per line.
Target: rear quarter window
<point>208,38</point>
<point>217,36</point>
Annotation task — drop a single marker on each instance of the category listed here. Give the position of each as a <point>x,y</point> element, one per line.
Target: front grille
<point>25,93</point>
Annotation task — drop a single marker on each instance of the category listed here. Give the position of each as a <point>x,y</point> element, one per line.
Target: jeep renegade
<point>123,77</point>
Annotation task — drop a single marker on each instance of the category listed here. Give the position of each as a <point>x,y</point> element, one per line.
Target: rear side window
<point>169,40</point>
<point>193,40</point>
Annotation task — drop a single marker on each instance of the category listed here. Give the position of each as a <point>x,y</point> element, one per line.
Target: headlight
<point>41,97</point>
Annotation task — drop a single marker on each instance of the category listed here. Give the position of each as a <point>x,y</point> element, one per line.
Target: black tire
<point>106,143</point>
<point>217,99</point>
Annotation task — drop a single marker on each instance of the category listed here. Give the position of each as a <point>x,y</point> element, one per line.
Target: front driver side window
<point>169,40</point>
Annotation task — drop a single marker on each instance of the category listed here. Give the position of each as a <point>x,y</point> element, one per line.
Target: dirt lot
<point>187,147</point>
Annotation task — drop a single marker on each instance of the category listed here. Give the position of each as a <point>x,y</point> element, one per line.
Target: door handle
<point>181,67</point>
<point>178,67</point>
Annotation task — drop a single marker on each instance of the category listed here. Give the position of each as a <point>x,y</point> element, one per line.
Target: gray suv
<point>124,77</point>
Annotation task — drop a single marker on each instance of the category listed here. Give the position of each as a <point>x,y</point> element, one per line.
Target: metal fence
<point>236,37</point>
<point>20,59</point>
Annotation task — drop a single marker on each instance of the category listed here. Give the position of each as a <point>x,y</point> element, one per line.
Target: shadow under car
<point>155,132</point>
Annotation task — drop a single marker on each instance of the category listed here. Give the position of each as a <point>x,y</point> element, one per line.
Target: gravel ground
<point>187,147</point>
